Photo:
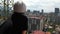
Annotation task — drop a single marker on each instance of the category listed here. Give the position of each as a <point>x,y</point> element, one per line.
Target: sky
<point>46,5</point>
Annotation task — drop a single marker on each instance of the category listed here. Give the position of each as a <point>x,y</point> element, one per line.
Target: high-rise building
<point>42,11</point>
<point>56,10</point>
<point>28,10</point>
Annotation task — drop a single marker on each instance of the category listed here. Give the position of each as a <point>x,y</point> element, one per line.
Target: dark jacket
<point>15,25</point>
<point>20,22</point>
<point>6,27</point>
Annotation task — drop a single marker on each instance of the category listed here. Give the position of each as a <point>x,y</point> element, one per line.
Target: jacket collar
<point>18,13</point>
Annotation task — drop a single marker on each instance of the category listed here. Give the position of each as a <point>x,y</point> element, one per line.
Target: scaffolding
<point>6,6</point>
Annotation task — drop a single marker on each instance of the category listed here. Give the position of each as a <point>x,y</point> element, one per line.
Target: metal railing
<point>6,4</point>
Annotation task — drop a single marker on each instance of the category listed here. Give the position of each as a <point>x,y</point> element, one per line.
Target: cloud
<point>47,5</point>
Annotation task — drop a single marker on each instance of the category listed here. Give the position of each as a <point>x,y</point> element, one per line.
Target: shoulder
<point>25,17</point>
<point>7,23</point>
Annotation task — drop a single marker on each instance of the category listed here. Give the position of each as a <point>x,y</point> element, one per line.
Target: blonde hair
<point>19,7</point>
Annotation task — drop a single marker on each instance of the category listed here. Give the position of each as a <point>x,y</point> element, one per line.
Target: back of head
<point>19,7</point>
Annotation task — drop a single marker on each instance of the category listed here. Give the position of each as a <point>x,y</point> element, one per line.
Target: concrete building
<point>35,22</point>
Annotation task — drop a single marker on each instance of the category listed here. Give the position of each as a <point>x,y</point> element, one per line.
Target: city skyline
<point>46,5</point>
